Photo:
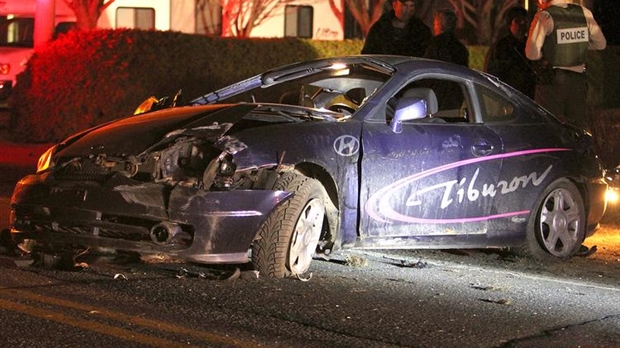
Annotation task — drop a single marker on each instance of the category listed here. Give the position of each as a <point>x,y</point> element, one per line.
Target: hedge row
<point>86,78</point>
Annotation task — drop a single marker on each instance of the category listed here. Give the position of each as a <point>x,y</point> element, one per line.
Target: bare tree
<point>210,19</point>
<point>361,12</point>
<point>87,12</point>
<point>239,17</point>
<point>484,16</point>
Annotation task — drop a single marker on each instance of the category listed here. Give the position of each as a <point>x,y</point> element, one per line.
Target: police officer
<point>559,38</point>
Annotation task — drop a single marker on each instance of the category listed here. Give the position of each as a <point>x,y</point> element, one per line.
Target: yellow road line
<point>155,324</point>
<point>89,325</point>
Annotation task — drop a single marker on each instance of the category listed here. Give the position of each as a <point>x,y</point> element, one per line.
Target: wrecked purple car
<point>348,152</point>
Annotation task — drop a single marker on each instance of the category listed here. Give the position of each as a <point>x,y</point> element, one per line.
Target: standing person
<point>560,36</point>
<point>445,45</point>
<point>506,58</point>
<point>398,32</point>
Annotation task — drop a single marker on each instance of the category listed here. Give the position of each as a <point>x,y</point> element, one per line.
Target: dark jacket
<point>447,47</point>
<point>383,38</point>
<point>506,60</point>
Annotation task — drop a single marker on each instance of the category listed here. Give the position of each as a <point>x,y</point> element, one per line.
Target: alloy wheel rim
<point>560,223</point>
<point>306,236</point>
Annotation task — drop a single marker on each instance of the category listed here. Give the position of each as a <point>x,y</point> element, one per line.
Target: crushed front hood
<point>136,134</point>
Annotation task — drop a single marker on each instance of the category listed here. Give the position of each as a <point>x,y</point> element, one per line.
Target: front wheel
<point>288,238</point>
<point>557,228</point>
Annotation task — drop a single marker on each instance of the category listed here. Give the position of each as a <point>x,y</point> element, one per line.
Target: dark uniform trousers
<point>564,95</point>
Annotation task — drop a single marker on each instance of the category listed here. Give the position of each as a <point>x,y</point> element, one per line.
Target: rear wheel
<point>557,228</point>
<point>289,236</point>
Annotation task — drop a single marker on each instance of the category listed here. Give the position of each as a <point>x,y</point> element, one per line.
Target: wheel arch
<point>580,183</point>
<point>319,173</point>
<point>582,187</point>
<point>594,206</point>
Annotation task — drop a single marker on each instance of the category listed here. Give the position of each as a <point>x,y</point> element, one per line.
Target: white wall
<point>183,16</point>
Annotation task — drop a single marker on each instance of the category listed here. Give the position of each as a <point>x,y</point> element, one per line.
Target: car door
<point>531,159</point>
<point>431,182</point>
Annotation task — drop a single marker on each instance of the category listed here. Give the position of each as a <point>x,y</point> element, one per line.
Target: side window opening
<point>445,100</point>
<point>495,108</point>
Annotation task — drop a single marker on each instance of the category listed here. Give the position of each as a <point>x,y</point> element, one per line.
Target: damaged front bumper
<point>148,218</point>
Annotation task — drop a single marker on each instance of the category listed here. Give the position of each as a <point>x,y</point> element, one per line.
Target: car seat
<point>425,94</point>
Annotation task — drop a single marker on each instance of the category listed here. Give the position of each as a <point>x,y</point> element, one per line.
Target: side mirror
<point>408,109</point>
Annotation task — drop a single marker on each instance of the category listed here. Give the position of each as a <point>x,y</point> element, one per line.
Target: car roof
<point>391,62</point>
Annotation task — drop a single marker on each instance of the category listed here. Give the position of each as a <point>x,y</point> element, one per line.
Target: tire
<point>557,228</point>
<point>288,238</point>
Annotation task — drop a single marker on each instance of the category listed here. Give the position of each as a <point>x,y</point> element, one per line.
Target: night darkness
<point>606,13</point>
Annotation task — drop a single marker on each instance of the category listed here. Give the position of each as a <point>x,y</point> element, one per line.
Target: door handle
<point>481,147</point>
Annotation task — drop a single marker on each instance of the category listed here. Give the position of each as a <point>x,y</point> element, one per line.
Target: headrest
<point>411,108</point>
<point>426,94</point>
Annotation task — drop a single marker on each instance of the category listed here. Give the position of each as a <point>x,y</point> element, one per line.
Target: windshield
<point>16,31</point>
<point>325,85</point>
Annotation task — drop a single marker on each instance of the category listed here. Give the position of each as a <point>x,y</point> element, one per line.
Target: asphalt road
<point>368,299</point>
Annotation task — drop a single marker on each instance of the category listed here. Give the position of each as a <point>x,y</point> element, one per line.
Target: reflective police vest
<point>567,44</point>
